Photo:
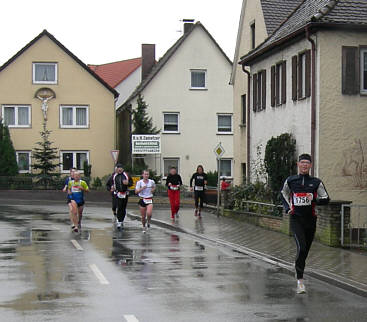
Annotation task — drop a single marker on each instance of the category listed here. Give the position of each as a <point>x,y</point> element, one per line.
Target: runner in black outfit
<point>122,183</point>
<point>300,194</point>
<point>110,185</point>
<point>201,180</point>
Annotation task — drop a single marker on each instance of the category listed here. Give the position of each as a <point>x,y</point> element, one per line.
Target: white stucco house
<point>309,78</point>
<point>190,100</point>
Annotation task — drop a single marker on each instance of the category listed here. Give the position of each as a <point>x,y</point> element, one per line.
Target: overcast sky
<point>104,31</point>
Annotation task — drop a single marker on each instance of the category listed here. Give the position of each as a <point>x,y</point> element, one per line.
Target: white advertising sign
<point>146,144</point>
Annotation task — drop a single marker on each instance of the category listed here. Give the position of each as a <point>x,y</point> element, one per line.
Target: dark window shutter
<point>350,70</point>
<point>254,92</point>
<point>284,82</point>
<point>263,87</point>
<point>272,86</point>
<point>244,109</point>
<point>308,73</point>
<point>294,78</point>
<point>299,76</point>
<point>259,91</point>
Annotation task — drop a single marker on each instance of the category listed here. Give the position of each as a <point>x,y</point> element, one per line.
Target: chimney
<point>147,59</point>
<point>188,25</point>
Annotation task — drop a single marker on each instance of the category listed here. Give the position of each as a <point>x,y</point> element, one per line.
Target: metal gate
<point>354,225</point>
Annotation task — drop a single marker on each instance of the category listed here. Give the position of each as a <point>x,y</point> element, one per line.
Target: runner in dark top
<point>173,183</point>
<point>200,180</point>
<point>122,182</point>
<point>110,185</point>
<point>300,195</point>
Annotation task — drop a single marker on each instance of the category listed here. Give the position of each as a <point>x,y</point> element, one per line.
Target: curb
<point>333,279</point>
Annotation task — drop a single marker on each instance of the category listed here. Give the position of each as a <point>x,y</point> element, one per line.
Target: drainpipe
<point>248,124</point>
<point>313,96</point>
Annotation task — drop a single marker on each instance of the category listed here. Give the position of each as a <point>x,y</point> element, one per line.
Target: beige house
<point>309,78</point>
<point>45,80</point>
<point>258,20</point>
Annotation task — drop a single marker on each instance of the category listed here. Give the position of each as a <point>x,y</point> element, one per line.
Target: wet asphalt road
<point>48,273</point>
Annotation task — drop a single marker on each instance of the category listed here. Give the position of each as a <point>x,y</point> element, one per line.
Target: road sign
<point>219,150</point>
<point>115,155</point>
<point>146,144</point>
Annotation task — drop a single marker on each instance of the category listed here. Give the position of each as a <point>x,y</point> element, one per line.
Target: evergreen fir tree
<point>8,161</point>
<point>45,156</point>
<point>143,124</point>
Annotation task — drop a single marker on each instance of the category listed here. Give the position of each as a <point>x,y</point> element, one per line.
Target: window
<point>17,115</point>
<point>73,159</point>
<point>259,91</point>
<point>168,163</point>
<point>226,168</point>
<point>170,122</point>
<point>225,123</point>
<point>354,70</point>
<point>198,79</point>
<point>363,72</point>
<point>244,172</point>
<point>301,75</point>
<point>24,161</point>
<point>278,84</point>
<point>252,27</point>
<point>44,73</point>
<point>243,108</point>
<point>74,116</point>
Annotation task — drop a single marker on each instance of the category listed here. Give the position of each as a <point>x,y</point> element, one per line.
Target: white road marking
<point>98,274</point>
<point>130,318</point>
<point>76,244</point>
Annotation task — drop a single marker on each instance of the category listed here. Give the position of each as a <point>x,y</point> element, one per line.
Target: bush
<point>97,183</point>
<point>257,191</point>
<point>280,162</point>
<point>212,178</point>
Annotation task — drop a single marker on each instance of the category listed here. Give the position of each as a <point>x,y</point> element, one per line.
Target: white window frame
<point>16,115</point>
<point>171,158</point>
<point>225,114</point>
<point>30,160</point>
<point>361,66</point>
<point>231,160</point>
<point>44,63</point>
<point>205,75</point>
<point>74,152</point>
<point>178,122</point>
<point>74,126</point>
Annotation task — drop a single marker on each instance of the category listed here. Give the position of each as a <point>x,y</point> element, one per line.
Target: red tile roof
<point>114,73</point>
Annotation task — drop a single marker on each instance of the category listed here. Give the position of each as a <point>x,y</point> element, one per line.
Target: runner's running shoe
<point>301,289</point>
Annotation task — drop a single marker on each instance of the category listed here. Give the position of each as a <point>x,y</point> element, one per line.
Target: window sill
<point>224,133</point>
<point>171,132</point>
<point>19,126</point>
<point>74,127</point>
<point>24,171</point>
<point>363,93</point>
<point>242,125</point>
<point>44,83</point>
<point>198,89</point>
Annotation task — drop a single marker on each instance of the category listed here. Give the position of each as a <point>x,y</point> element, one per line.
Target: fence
<point>31,182</point>
<point>261,208</point>
<point>354,225</point>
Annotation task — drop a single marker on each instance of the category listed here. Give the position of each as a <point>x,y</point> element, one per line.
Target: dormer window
<point>44,73</point>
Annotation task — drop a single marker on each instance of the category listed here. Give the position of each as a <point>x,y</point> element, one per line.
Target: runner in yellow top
<point>76,189</point>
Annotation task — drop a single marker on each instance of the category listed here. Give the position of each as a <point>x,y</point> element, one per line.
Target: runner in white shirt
<point>145,189</point>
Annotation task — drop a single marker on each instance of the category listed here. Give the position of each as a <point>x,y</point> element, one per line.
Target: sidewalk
<point>344,268</point>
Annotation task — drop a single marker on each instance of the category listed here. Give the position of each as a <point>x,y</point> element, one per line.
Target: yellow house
<point>44,80</point>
